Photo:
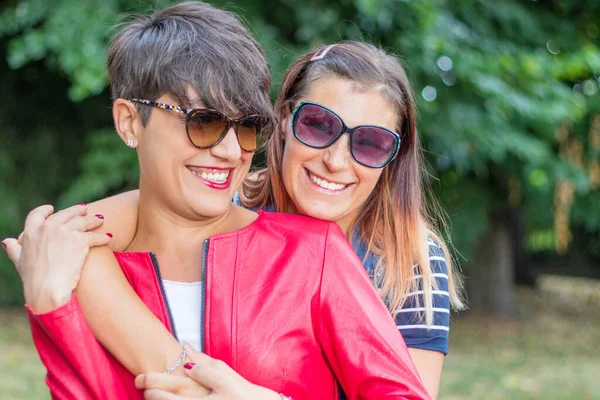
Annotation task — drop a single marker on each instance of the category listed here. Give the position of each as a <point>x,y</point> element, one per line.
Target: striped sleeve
<point>410,319</point>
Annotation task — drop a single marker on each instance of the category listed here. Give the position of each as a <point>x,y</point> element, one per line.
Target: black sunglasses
<point>318,127</point>
<point>206,128</point>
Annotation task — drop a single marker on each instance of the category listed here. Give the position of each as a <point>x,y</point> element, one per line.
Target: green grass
<point>21,372</point>
<point>552,352</point>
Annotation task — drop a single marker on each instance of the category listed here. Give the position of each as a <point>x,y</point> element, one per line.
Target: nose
<point>228,148</point>
<point>336,156</point>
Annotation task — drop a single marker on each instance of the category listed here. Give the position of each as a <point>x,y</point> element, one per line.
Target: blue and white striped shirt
<point>410,319</point>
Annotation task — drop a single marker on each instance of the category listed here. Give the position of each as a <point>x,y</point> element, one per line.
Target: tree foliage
<point>507,94</point>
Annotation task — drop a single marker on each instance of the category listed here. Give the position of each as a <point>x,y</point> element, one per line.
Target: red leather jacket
<point>322,324</point>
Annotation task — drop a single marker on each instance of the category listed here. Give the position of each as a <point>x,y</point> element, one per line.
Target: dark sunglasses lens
<point>316,126</point>
<point>206,127</point>
<point>373,146</point>
<point>251,134</point>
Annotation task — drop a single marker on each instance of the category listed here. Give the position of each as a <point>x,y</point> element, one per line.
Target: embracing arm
<point>357,333</point>
<point>50,263</point>
<point>108,311</point>
<point>120,320</point>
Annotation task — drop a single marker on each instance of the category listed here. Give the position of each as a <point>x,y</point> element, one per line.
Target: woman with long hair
<point>369,181</point>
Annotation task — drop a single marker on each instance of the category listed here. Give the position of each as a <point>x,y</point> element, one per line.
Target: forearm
<point>121,321</point>
<point>429,365</point>
<point>45,298</point>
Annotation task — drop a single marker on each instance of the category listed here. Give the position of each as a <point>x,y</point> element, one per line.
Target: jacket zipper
<point>203,295</point>
<point>164,293</point>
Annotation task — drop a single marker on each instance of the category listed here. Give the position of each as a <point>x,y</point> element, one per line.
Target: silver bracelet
<point>181,360</point>
<point>284,397</point>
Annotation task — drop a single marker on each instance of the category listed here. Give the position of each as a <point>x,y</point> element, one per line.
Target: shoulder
<point>298,234</point>
<point>120,217</point>
<point>437,263</point>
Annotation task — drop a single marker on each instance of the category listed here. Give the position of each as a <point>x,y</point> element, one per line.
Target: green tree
<point>507,96</point>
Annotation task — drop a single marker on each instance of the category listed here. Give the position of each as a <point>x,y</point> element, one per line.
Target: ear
<point>127,121</point>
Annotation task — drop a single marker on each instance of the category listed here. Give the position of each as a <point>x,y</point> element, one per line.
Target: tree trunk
<point>491,271</point>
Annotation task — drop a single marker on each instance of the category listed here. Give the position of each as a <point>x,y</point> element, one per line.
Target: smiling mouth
<point>325,184</point>
<point>211,175</point>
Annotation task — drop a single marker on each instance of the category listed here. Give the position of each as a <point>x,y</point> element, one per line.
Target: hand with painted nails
<point>222,381</point>
<point>51,252</point>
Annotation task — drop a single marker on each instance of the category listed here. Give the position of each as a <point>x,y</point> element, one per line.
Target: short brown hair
<point>190,44</point>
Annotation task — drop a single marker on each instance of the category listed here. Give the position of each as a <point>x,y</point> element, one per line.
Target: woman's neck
<point>177,239</point>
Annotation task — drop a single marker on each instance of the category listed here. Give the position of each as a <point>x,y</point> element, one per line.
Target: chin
<point>210,212</point>
<point>209,206</point>
<point>324,213</point>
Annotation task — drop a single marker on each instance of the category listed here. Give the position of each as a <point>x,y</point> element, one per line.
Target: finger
<point>64,216</point>
<point>84,223</point>
<point>169,383</point>
<point>211,378</point>
<point>204,359</point>
<point>37,217</point>
<point>155,394</point>
<point>20,239</point>
<point>95,239</point>
<point>13,249</point>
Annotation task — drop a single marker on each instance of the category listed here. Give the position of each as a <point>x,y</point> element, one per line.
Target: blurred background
<point>509,115</point>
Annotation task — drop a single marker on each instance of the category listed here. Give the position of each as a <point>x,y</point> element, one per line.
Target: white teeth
<point>212,177</point>
<point>325,184</point>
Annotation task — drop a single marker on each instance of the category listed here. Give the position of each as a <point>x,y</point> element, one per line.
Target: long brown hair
<point>393,221</point>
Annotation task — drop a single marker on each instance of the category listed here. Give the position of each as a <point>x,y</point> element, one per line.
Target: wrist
<point>46,298</point>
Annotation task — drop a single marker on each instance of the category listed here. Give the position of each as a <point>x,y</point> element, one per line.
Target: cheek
<point>287,167</point>
<point>368,180</point>
<point>292,156</point>
<point>246,163</point>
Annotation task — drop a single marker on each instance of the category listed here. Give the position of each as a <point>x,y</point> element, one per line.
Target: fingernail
<point>110,235</point>
<point>189,365</point>
<point>100,216</point>
<point>82,204</point>
<point>4,245</point>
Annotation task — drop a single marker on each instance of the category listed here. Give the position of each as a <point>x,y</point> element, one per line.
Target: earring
<point>130,143</point>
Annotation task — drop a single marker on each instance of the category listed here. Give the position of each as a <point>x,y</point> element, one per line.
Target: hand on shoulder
<point>51,251</point>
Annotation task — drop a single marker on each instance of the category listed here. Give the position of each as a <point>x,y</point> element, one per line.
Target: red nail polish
<point>189,365</point>
<point>110,235</point>
<point>99,216</point>
<point>82,204</point>
<point>4,245</point>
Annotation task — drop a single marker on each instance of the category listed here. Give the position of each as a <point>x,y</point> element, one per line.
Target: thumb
<point>13,249</point>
